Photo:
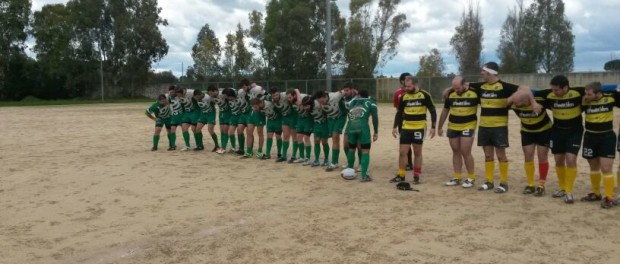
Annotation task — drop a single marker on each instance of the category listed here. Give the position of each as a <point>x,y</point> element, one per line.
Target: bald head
<point>458,84</point>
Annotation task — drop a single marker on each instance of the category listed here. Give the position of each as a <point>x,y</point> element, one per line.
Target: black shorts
<point>493,136</point>
<point>566,140</point>
<point>408,137</point>
<point>597,145</point>
<point>460,133</point>
<point>539,138</point>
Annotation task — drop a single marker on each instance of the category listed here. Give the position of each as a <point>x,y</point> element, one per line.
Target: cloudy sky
<point>596,25</point>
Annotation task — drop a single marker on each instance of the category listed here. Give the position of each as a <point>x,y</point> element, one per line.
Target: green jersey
<point>189,103</point>
<point>360,109</point>
<point>221,102</point>
<point>283,105</point>
<point>300,111</point>
<point>160,111</point>
<point>317,113</point>
<point>175,105</point>
<point>270,110</point>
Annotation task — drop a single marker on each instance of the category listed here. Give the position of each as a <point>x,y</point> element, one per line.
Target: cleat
<point>607,203</point>
<point>265,157</point>
<point>366,179</point>
<point>325,163</point>
<point>199,148</point>
<point>591,197</point>
<point>486,186</point>
<point>220,151</point>
<point>529,190</point>
<point>331,167</point>
<point>468,183</point>
<point>186,149</point>
<point>240,152</point>
<point>568,198</point>
<point>453,182</point>
<point>172,148</point>
<point>540,191</point>
<point>215,149</point>
<point>259,154</point>
<point>416,179</point>
<point>409,167</point>
<point>246,156</point>
<point>315,164</point>
<point>306,162</point>
<point>281,159</point>
<point>558,194</point>
<point>299,160</point>
<point>154,149</point>
<point>398,179</point>
<point>502,188</point>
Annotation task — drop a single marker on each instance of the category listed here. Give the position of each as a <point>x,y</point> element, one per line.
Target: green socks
<point>325,151</point>
<point>198,138</point>
<point>351,159</point>
<point>155,140</point>
<point>186,138</point>
<point>268,148</point>
<point>335,155</point>
<point>233,141</point>
<point>285,145</point>
<point>364,162</point>
<point>224,140</point>
<point>308,151</point>
<point>317,151</point>
<point>241,138</point>
<point>279,144</point>
<point>214,137</point>
<point>295,147</point>
<point>172,137</point>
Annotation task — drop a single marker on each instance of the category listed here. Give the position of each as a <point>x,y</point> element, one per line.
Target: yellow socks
<point>571,174</point>
<point>489,170</point>
<point>529,172</point>
<point>561,172</point>
<point>457,175</point>
<point>595,180</point>
<point>608,183</point>
<point>503,172</point>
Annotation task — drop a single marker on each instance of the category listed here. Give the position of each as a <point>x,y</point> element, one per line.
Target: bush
<point>31,98</point>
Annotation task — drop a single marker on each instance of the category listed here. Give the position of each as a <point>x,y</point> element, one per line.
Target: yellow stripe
<point>493,121</point>
<point>463,126</point>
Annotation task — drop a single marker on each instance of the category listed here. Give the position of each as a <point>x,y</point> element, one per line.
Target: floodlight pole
<point>328,39</point>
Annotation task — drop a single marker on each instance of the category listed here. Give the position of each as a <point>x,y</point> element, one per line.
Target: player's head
<point>458,84</point>
<point>559,85</point>
<point>521,99</point>
<point>230,94</point>
<point>172,89</point>
<point>212,90</point>
<point>198,95</point>
<point>245,84</point>
<point>349,90</point>
<point>308,103</point>
<point>257,104</point>
<point>180,91</point>
<point>411,84</point>
<point>322,97</point>
<point>363,93</point>
<point>490,71</point>
<point>291,95</point>
<point>162,99</point>
<point>275,94</point>
<point>401,79</point>
<point>594,91</point>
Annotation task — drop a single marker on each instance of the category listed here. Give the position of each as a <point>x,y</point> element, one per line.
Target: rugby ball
<point>348,174</point>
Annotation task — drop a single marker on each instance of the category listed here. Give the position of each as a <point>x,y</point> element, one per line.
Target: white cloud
<point>595,25</point>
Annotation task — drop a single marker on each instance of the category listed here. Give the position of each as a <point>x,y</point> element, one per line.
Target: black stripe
<point>538,125</point>
<point>599,127</point>
<point>414,117</point>
<point>494,112</point>
<point>462,119</point>
<point>570,123</point>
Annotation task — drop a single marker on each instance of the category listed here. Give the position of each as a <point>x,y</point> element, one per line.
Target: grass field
<point>79,184</point>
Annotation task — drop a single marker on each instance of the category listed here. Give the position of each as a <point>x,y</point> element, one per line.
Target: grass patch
<point>33,101</point>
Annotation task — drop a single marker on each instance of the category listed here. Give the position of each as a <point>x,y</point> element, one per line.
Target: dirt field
<point>79,184</point>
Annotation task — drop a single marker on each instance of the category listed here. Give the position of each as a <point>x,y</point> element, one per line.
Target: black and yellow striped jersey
<point>566,109</point>
<point>494,102</point>
<point>600,113</point>
<point>463,109</point>
<point>533,122</point>
<point>412,109</point>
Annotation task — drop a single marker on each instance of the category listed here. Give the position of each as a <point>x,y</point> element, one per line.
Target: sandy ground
<point>79,184</point>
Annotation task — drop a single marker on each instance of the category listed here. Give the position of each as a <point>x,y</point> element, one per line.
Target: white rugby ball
<point>348,174</point>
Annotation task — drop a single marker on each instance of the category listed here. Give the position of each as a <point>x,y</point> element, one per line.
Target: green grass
<point>31,101</point>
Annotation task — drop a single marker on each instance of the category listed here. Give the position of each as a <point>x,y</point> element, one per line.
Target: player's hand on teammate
<point>395,132</point>
<point>375,137</point>
<point>537,108</point>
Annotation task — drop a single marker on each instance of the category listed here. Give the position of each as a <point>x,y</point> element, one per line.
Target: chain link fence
<point>383,88</point>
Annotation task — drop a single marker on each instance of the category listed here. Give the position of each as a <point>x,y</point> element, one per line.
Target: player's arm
<point>374,112</point>
<point>149,113</point>
<point>298,96</point>
<point>442,119</point>
<point>398,118</point>
<point>430,106</point>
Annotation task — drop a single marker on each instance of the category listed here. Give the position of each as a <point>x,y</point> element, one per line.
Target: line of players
<point>539,133</point>
<point>290,117</point>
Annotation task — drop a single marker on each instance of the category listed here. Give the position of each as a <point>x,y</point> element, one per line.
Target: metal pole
<point>328,57</point>
<point>101,70</point>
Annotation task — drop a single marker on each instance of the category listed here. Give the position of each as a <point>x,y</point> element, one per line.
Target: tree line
<point>82,42</point>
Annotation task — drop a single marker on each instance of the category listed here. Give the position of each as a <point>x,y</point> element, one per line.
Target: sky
<point>596,26</point>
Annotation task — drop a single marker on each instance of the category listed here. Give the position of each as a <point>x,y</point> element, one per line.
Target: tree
<point>518,47</point>
<point>162,77</point>
<point>371,41</point>
<point>206,53</point>
<point>294,37</point>
<point>243,57</point>
<point>14,21</point>
<point>612,65</point>
<point>467,42</point>
<point>256,32</point>
<point>431,65</point>
<point>556,49</point>
<point>228,63</point>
